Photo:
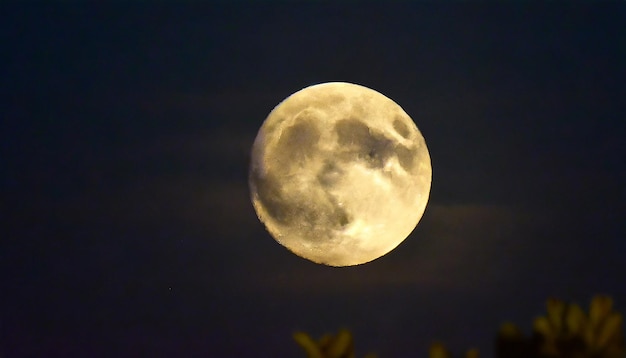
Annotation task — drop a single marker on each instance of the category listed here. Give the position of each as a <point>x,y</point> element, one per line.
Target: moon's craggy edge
<point>306,161</point>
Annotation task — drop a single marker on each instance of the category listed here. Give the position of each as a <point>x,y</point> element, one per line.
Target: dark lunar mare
<point>372,147</point>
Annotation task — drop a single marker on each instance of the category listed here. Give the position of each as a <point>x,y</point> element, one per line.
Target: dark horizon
<point>126,139</point>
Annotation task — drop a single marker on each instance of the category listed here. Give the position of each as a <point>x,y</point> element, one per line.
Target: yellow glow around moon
<point>340,174</point>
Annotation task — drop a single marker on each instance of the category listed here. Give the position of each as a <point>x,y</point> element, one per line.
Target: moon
<point>339,174</point>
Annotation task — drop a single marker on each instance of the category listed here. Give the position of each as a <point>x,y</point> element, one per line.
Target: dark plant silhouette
<point>329,346</point>
<point>438,350</point>
<point>566,331</point>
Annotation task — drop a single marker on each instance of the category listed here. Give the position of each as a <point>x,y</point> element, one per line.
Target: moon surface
<point>340,174</point>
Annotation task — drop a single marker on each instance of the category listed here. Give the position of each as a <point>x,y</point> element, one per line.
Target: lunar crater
<point>401,128</point>
<point>330,174</point>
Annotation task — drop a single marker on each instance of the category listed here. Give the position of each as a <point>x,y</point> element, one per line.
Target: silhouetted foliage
<point>329,346</point>
<point>566,331</point>
<point>438,350</point>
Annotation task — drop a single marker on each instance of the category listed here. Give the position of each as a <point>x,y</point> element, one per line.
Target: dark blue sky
<point>125,138</point>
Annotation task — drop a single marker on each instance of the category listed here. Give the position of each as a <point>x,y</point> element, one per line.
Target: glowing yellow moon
<point>339,174</point>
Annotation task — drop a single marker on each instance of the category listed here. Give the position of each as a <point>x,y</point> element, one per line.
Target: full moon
<point>340,174</point>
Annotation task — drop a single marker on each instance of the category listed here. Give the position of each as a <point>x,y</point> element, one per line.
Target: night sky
<point>125,137</point>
